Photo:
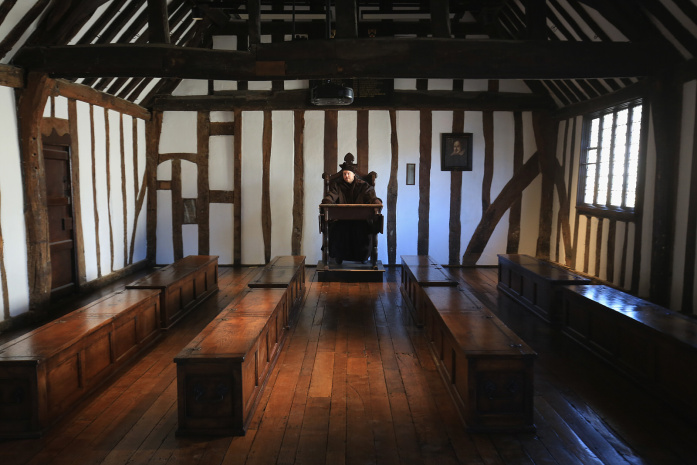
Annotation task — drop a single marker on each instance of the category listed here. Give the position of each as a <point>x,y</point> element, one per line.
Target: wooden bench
<point>654,346</point>
<point>487,368</point>
<point>419,272</point>
<point>46,371</point>
<point>222,372</point>
<point>183,285</point>
<point>536,284</point>
<point>284,272</point>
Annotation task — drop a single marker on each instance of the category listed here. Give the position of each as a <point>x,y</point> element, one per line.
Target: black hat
<point>348,164</point>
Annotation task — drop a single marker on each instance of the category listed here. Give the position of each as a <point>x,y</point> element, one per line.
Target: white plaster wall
<point>530,219</point>
<point>346,140</point>
<point>102,197</point>
<point>313,147</point>
<point>683,201</point>
<point>439,211</point>
<point>408,196</point>
<point>220,177</point>
<point>141,243</point>
<point>164,252</point>
<point>252,238</point>
<point>281,182</point>
<point>12,209</point>
<point>115,193</point>
<point>379,137</point>
<point>89,219</point>
<point>647,213</point>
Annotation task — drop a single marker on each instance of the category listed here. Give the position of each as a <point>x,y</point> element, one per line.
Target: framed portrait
<point>456,152</point>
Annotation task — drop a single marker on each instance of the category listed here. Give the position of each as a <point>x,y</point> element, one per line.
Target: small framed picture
<point>456,152</point>
<point>411,174</point>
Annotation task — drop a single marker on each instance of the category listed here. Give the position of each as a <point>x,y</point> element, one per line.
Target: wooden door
<point>60,218</point>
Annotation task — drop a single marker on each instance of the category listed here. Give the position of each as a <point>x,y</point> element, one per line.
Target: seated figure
<point>351,239</point>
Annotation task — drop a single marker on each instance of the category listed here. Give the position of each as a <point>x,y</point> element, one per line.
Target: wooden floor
<point>356,384</point>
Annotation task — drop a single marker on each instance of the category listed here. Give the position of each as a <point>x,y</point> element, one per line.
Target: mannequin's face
<point>348,176</point>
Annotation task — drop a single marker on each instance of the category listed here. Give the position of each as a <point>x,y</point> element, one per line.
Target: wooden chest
<point>653,345</point>
<point>536,284</point>
<point>418,272</point>
<point>221,373</point>
<point>284,272</point>
<point>45,372</point>
<point>487,367</point>
<point>182,285</point>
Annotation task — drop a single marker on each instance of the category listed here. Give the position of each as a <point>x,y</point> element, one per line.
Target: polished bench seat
<point>222,372</point>
<point>651,344</point>
<point>486,366</point>
<point>183,285</point>
<point>284,272</point>
<point>419,272</point>
<point>536,284</point>
<point>48,370</point>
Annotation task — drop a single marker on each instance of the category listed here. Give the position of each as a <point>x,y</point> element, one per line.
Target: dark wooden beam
<point>536,19</point>
<point>158,24</point>
<point>440,18</point>
<point>346,19</point>
<point>401,100</point>
<point>11,76</point>
<point>350,58</point>
<point>254,21</point>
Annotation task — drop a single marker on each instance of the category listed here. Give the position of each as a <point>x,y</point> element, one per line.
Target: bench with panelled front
<point>222,372</point>
<point>487,368</point>
<point>284,272</point>
<point>536,284</point>
<point>183,285</point>
<point>419,272</point>
<point>48,370</point>
<point>651,344</point>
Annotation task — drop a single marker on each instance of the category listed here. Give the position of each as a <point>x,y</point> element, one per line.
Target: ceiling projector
<point>329,93</point>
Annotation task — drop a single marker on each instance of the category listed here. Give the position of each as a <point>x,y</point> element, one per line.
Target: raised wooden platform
<point>350,272</point>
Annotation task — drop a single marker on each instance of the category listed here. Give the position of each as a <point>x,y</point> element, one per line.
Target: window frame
<point>604,210</point>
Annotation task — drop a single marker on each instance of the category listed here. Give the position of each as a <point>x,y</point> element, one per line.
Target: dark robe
<point>350,239</point>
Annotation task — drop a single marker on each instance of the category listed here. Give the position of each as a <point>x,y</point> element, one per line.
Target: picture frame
<point>456,151</point>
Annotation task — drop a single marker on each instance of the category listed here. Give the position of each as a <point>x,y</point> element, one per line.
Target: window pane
<point>592,156</point>
<point>594,133</point>
<point>611,158</point>
<point>590,184</point>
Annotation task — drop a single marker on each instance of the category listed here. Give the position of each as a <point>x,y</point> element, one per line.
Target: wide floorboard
<point>355,383</point>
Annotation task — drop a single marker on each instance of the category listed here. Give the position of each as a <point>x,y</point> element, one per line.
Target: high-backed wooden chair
<point>331,213</point>
<point>333,177</point>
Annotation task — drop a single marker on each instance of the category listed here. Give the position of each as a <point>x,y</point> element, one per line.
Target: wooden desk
<point>355,211</point>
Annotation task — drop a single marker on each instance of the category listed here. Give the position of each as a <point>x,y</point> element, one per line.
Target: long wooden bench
<point>284,272</point>
<point>419,272</point>
<point>183,285</point>
<point>486,366</point>
<point>536,284</point>
<point>651,344</point>
<point>46,371</point>
<point>222,372</point>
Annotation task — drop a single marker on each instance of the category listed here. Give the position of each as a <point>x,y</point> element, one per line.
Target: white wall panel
<point>115,196</point>
<point>222,233</point>
<point>12,208</point>
<point>439,211</point>
<point>87,190</point>
<point>164,253</point>
<point>313,146</point>
<point>281,182</point>
<point>221,163</point>
<point>346,140</point>
<point>178,132</point>
<point>252,239</point>
<point>380,148</point>
<point>408,198</point>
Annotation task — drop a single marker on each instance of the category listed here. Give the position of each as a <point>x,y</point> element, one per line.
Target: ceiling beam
<point>299,99</point>
<point>158,25</point>
<point>353,58</point>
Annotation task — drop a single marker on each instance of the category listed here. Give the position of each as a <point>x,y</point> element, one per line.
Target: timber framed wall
<point>270,181</point>
<point>107,156</point>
